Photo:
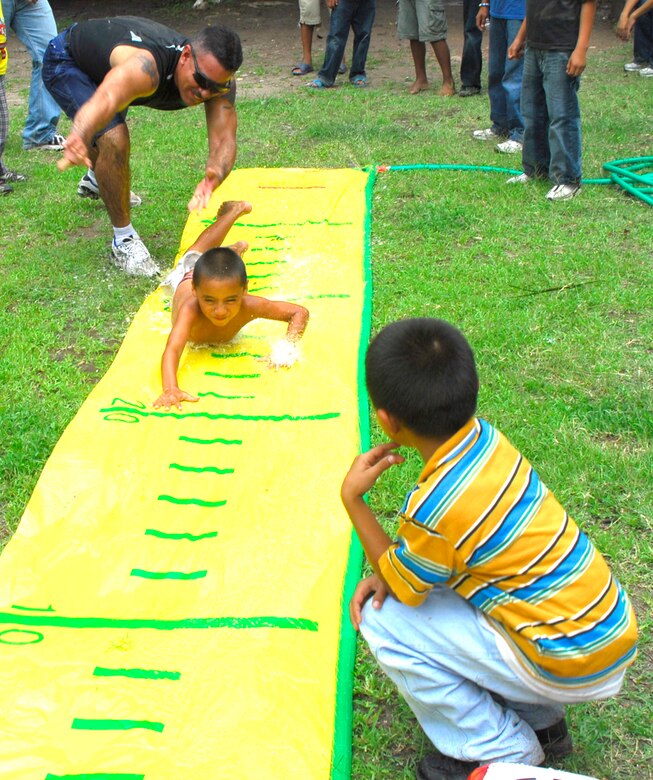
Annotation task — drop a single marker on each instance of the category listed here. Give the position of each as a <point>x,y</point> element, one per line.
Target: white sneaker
<point>131,256</point>
<point>631,67</point>
<point>486,135</point>
<point>646,72</point>
<point>509,147</point>
<point>563,192</point>
<point>87,188</point>
<point>523,178</point>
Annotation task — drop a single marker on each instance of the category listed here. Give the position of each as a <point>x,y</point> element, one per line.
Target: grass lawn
<point>555,299</point>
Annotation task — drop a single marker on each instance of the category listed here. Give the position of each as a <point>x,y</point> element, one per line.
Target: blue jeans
<point>472,59</point>
<point>549,105</point>
<point>444,660</point>
<point>504,80</point>
<point>359,15</point>
<point>69,85</point>
<point>35,26</point>
<point>643,38</point>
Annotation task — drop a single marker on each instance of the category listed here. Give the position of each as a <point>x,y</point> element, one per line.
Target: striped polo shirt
<point>481,521</point>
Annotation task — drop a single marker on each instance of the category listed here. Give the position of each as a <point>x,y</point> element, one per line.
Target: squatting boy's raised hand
<point>367,468</point>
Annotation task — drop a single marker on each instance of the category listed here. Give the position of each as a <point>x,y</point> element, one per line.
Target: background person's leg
<point>35,27</point>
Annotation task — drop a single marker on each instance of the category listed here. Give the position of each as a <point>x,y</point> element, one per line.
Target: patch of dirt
<point>270,36</point>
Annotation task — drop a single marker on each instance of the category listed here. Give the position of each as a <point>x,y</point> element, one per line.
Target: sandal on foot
<point>358,81</point>
<point>318,84</point>
<point>302,69</point>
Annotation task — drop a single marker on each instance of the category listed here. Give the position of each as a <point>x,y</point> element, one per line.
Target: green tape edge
<point>342,739</point>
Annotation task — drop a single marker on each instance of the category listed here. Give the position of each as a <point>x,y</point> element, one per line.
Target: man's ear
<point>388,422</point>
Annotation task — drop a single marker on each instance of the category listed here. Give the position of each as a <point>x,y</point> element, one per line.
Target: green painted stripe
<point>326,222</point>
<point>232,376</point>
<point>261,276</point>
<point>192,440</point>
<point>96,776</point>
<point>243,417</point>
<point>137,674</point>
<point>107,724</point>
<point>227,397</point>
<point>200,469</point>
<point>260,289</point>
<point>33,609</point>
<point>190,501</point>
<point>224,356</point>
<point>302,624</point>
<point>177,537</point>
<point>268,262</point>
<point>318,297</point>
<point>265,249</point>
<point>169,575</point>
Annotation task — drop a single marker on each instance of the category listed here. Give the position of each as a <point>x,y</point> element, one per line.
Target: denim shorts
<point>422,20</point>
<point>69,85</point>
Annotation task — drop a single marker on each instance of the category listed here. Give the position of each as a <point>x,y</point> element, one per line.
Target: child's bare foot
<point>418,86</point>
<point>447,90</point>
<point>240,247</point>
<point>239,206</point>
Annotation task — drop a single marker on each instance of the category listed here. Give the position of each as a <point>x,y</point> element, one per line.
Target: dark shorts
<point>69,85</point>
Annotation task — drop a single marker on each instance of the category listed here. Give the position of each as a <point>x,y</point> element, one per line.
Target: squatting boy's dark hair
<point>422,371</point>
<point>220,263</point>
<point>222,43</point>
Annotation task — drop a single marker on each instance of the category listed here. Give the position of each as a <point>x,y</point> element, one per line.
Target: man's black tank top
<point>91,43</point>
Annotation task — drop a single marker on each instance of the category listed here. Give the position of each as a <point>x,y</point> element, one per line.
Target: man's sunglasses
<point>204,82</point>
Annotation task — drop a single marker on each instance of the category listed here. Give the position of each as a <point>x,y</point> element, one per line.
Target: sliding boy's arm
<point>284,353</point>
<point>578,59</point>
<point>215,234</point>
<point>172,394</point>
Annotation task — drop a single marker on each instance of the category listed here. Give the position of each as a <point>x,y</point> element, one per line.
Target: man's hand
<point>516,49</point>
<point>367,468</point>
<point>577,62</point>
<point>481,18</point>
<point>364,589</point>
<point>203,192</point>
<point>173,397</point>
<point>75,152</point>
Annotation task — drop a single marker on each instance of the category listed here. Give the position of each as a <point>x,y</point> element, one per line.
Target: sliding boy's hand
<point>367,468</point>
<point>174,397</point>
<point>372,585</point>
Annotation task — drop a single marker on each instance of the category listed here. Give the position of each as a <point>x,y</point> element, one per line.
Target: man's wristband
<point>483,5</point>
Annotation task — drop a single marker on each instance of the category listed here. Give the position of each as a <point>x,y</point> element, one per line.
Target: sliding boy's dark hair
<point>422,372</point>
<point>220,263</point>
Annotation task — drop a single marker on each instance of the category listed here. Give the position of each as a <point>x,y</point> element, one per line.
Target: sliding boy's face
<point>220,299</point>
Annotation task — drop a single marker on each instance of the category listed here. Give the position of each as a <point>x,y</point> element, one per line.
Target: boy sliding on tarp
<point>491,609</point>
<point>211,303</point>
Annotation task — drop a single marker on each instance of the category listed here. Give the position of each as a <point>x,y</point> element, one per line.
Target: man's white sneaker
<point>509,147</point>
<point>131,256</point>
<point>522,178</point>
<point>632,67</point>
<point>87,188</point>
<point>563,192</point>
<point>646,72</point>
<point>486,135</point>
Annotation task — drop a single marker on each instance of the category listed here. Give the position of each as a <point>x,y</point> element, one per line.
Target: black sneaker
<point>469,91</point>
<point>556,740</point>
<point>54,144</point>
<point>11,176</point>
<point>437,766</point>
<point>5,189</point>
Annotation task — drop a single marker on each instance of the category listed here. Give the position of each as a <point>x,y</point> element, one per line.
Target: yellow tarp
<point>170,606</point>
